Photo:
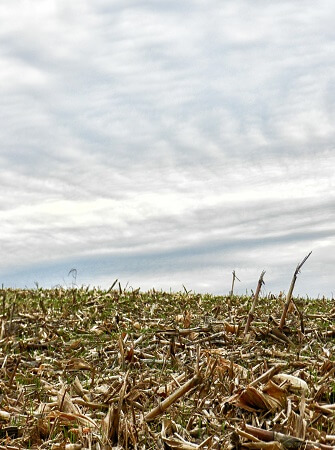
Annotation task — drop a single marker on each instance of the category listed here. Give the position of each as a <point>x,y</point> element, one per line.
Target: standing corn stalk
<point>231,294</point>
<point>289,294</point>
<point>253,306</point>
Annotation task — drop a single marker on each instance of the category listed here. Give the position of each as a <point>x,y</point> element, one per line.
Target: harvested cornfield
<point>90,369</point>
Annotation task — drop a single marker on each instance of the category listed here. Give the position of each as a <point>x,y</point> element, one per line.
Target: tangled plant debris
<point>90,369</point>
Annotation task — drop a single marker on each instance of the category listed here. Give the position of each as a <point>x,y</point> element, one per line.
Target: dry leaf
<point>231,328</point>
<point>4,415</point>
<point>292,383</point>
<point>187,319</point>
<point>174,436</point>
<point>253,399</point>
<point>77,364</point>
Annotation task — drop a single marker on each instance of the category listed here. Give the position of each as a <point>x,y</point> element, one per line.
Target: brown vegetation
<point>95,369</point>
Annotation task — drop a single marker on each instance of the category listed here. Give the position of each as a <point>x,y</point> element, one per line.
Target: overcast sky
<point>168,142</point>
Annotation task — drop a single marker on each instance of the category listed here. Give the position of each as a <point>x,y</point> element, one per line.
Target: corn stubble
<point>89,369</point>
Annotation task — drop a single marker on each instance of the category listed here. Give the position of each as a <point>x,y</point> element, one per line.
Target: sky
<point>168,143</point>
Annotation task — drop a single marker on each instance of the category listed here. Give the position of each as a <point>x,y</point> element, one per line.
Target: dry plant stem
<point>290,292</point>
<point>289,442</point>
<point>267,375</point>
<point>111,425</point>
<point>253,306</point>
<point>232,288</point>
<point>14,372</point>
<point>11,315</point>
<point>3,301</point>
<point>158,410</point>
<point>232,284</point>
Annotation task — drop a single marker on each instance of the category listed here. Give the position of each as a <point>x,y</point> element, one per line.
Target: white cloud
<point>166,139</point>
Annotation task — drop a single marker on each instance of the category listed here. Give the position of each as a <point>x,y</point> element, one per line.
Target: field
<point>85,368</point>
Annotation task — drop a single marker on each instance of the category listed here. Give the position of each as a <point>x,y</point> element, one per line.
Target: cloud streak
<point>167,143</point>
